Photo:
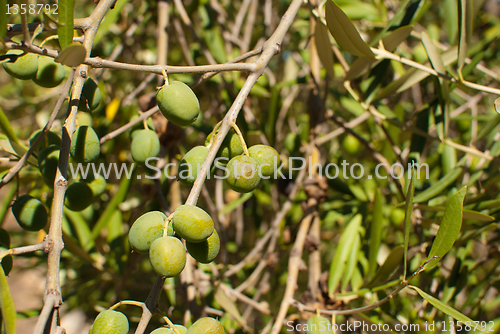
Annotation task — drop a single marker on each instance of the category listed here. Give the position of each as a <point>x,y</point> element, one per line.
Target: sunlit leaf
<point>72,56</point>
<point>344,32</point>
<point>449,228</point>
<point>65,25</point>
<point>7,127</point>
<point>7,306</point>
<point>324,48</point>
<point>375,233</point>
<point>438,187</point>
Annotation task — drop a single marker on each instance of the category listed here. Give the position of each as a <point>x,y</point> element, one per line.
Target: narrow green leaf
<point>433,54</point>
<point>438,187</point>
<point>497,105</point>
<point>7,200</point>
<point>65,24</point>
<point>324,48</point>
<point>408,210</point>
<point>466,22</point>
<point>467,214</point>
<point>451,19</point>
<point>118,198</point>
<point>115,226</point>
<point>396,37</point>
<point>3,19</point>
<point>7,128</point>
<point>344,247</point>
<point>449,228</point>
<point>236,203</point>
<point>74,249</point>
<point>72,56</point>
<point>83,233</point>
<point>448,159</point>
<point>344,32</point>
<point>7,305</point>
<point>448,310</point>
<point>375,233</point>
<point>486,130</point>
<point>351,264</point>
<point>392,262</point>
<point>112,16</point>
<point>227,304</point>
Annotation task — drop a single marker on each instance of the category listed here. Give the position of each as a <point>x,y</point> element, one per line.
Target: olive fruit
<point>49,74</point>
<point>83,118</point>
<point>267,158</point>
<point>50,138</point>
<point>165,330</point>
<point>23,67</point>
<point>242,174</point>
<point>397,216</point>
<point>191,164</point>
<point>97,184</point>
<point>192,223</point>
<point>178,103</point>
<point>140,126</point>
<point>30,213</point>
<point>318,325</point>
<point>85,146</point>
<point>78,196</point>
<point>145,144</point>
<point>146,229</point>
<point>230,147</point>
<point>167,256</point>
<point>110,322</point>
<point>292,142</point>
<point>6,261</point>
<point>351,144</point>
<point>48,159</point>
<point>205,251</point>
<point>91,96</point>
<point>206,325</point>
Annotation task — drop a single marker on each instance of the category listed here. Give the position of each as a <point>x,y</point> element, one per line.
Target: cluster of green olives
<point>81,194</point>
<point>243,172</point>
<point>111,321</point>
<point>44,71</point>
<point>153,233</point>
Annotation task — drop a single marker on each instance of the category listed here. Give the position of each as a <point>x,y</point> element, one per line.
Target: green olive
<point>292,142</point>
<point>50,138</point>
<point>206,325</point>
<point>205,251</point>
<point>192,223</point>
<point>48,159</point>
<point>23,67</point>
<point>166,330</point>
<point>85,146</point>
<point>78,196</point>
<point>145,145</point>
<point>30,213</point>
<point>91,96</point>
<point>97,184</point>
<point>318,325</point>
<point>84,119</point>
<point>50,74</point>
<point>191,164</point>
<point>167,256</point>
<point>178,103</point>
<point>242,174</point>
<point>267,158</point>
<point>351,144</point>
<point>146,229</point>
<point>110,322</point>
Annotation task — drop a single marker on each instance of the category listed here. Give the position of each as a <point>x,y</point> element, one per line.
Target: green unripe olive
<point>48,159</point>
<point>178,103</point>
<point>85,146</point>
<point>4,238</point>
<point>206,325</point>
<point>292,142</point>
<point>205,251</point>
<point>318,325</point>
<point>50,138</point>
<point>78,196</point>
<point>463,125</point>
<point>192,223</point>
<point>165,330</point>
<point>267,158</point>
<point>140,126</point>
<point>30,213</point>
<point>397,216</point>
<point>91,96</point>
<point>167,256</point>
<point>191,163</point>
<point>146,229</point>
<point>351,144</point>
<point>23,67</point>
<point>97,184</point>
<point>242,174</point>
<point>145,144</point>
<point>230,147</point>
<point>110,322</point>
<point>6,262</point>
<point>84,119</point>
<point>49,74</point>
